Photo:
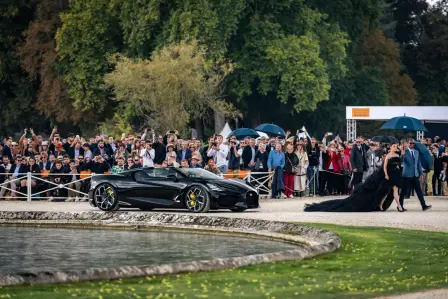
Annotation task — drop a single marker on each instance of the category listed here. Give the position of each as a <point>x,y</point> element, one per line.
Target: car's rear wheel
<point>238,210</point>
<point>197,199</point>
<point>106,198</point>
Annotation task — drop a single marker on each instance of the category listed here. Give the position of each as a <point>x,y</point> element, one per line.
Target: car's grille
<point>251,198</point>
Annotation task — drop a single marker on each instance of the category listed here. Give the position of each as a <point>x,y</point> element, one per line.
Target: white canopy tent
<point>226,130</point>
<point>428,114</point>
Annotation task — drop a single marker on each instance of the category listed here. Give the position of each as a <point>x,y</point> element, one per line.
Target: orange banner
<point>360,112</point>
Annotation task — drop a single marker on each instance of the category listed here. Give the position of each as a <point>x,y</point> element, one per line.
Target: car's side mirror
<point>172,177</point>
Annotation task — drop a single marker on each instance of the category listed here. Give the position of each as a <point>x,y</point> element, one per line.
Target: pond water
<point>32,249</point>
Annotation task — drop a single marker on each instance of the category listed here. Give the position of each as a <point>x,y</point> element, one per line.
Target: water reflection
<point>29,249</point>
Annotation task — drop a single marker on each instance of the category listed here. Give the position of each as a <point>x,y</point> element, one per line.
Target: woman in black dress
<point>392,173</point>
<point>376,191</point>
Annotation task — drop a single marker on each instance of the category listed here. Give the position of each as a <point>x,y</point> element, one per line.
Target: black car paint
<point>170,192</point>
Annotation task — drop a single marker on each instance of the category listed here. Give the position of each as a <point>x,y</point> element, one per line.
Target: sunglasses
<point>411,142</point>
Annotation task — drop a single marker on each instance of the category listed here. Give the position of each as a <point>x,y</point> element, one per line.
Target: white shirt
<point>148,157</point>
<point>88,154</point>
<point>220,155</point>
<point>240,153</point>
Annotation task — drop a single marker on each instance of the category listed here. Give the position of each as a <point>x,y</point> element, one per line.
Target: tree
<point>376,50</point>
<point>40,60</point>
<point>173,87</point>
<point>407,15</point>
<point>88,36</point>
<point>16,93</point>
<point>288,52</point>
<point>430,63</point>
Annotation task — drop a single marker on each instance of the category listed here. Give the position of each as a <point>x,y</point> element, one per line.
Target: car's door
<point>156,187</point>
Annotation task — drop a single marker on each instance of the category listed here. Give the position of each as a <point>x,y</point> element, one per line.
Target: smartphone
<point>330,134</point>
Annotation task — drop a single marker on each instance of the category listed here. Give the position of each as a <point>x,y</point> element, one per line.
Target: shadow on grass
<point>373,261</point>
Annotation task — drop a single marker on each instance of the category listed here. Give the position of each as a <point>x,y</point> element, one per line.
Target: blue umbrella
<point>404,123</point>
<point>271,130</point>
<point>244,132</point>
<point>425,155</point>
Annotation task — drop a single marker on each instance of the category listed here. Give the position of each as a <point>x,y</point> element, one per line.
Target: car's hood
<point>235,185</point>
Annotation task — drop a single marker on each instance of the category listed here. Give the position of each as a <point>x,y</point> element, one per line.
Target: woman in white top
<point>300,175</point>
<point>170,152</point>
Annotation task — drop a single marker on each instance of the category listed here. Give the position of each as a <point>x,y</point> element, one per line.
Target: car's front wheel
<point>197,199</point>
<point>106,198</point>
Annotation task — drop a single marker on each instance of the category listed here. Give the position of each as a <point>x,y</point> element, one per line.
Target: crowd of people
<point>300,165</point>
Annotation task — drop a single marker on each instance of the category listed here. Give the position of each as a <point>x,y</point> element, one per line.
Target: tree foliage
<point>430,59</point>
<point>173,87</point>
<point>288,57</point>
<point>85,40</point>
<point>40,60</point>
<point>376,50</point>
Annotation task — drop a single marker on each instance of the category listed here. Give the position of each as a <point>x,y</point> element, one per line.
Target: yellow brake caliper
<point>111,193</point>
<point>192,199</point>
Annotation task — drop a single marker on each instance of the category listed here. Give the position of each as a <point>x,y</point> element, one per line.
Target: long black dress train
<point>367,196</point>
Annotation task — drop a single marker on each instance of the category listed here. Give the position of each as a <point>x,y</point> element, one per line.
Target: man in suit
<point>248,155</point>
<point>17,170</point>
<point>44,164</point>
<point>184,153</point>
<point>358,161</point>
<point>412,171</point>
<point>76,150</point>
<point>438,166</point>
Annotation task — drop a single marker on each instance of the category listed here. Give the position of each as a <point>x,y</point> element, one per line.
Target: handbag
<point>294,168</point>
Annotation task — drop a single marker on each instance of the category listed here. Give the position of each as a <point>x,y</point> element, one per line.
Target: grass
<point>372,262</point>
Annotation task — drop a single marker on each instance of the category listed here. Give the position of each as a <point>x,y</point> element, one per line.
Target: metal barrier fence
<point>43,184</point>
<point>259,180</point>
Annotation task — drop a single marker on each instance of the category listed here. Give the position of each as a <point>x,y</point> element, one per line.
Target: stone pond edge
<point>317,242</point>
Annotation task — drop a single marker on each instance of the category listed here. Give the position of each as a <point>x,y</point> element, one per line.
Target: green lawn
<point>372,262</point>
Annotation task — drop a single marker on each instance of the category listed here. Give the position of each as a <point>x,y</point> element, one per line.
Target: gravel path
<point>435,219</point>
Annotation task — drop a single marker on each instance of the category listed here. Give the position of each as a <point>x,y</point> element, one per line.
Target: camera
<point>214,144</point>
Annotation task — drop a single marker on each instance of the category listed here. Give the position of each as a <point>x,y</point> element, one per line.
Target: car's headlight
<point>213,187</point>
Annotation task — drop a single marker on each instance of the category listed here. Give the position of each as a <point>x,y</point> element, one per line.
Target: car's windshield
<point>199,173</point>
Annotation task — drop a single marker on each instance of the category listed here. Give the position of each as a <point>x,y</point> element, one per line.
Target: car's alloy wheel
<point>106,198</point>
<point>197,199</point>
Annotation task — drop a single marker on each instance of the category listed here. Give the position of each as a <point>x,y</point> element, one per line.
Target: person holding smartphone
<point>148,154</point>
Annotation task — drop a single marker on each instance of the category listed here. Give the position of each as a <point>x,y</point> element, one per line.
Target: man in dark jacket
<point>248,155</point>
<point>358,161</point>
<point>100,166</point>
<point>438,166</point>
<point>312,173</point>
<point>103,151</point>
<point>184,153</point>
<point>76,150</point>
<point>159,150</point>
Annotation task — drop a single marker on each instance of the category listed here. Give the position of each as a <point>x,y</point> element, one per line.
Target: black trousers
<point>412,184</point>
<point>436,180</point>
<point>357,178</point>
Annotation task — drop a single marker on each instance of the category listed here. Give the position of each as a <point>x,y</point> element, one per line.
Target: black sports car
<point>194,189</point>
